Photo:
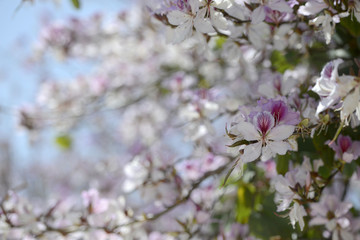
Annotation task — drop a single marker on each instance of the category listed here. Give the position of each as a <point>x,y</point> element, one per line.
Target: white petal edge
<point>251,152</point>
<point>281,132</point>
<point>248,131</point>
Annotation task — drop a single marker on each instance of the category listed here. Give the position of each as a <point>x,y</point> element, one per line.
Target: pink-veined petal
<point>264,122</point>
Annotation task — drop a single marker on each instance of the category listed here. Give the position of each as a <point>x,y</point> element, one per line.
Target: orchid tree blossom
<point>293,187</point>
<point>346,149</point>
<point>331,87</point>
<point>265,138</point>
<point>247,62</point>
<point>191,16</point>
<point>333,213</point>
<point>312,7</point>
<point>351,104</point>
<point>328,23</point>
<point>259,14</point>
<point>217,18</point>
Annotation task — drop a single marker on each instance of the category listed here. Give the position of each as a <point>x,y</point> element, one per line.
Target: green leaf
<point>230,171</point>
<point>351,25</point>
<point>324,151</point>
<point>265,224</point>
<point>280,62</point>
<point>220,42</point>
<point>238,143</point>
<point>282,163</point>
<point>76,3</point>
<point>164,91</point>
<point>203,83</point>
<point>245,202</point>
<point>349,169</point>
<point>64,142</point>
<point>315,232</point>
<point>325,172</point>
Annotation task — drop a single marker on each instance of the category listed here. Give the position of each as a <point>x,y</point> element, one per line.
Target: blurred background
<point>21,23</point>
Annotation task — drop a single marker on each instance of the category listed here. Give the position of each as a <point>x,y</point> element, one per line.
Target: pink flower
<point>345,149</point>
<point>92,201</point>
<point>281,112</point>
<point>332,213</point>
<point>264,137</point>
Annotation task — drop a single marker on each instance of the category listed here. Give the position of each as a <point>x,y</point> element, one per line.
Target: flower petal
<point>177,17</point>
<point>350,103</point>
<point>312,7</point>
<point>267,153</point>
<point>203,24</point>
<point>297,214</point>
<point>251,152</point>
<point>248,131</point>
<point>258,15</point>
<point>280,5</point>
<point>279,147</point>
<point>218,20</point>
<point>281,132</point>
<point>183,32</point>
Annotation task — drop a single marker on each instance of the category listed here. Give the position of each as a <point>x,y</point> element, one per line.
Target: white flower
<point>287,187</point>
<point>332,213</point>
<point>297,214</point>
<point>185,21</point>
<point>331,87</point>
<point>269,140</point>
<point>312,7</point>
<point>259,14</point>
<point>356,10</point>
<point>328,23</point>
<point>259,34</point>
<point>238,10</point>
<point>217,18</point>
<point>351,103</point>
<point>135,173</point>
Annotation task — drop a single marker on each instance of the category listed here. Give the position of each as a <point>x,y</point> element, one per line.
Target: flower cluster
<point>266,131</point>
<point>141,128</point>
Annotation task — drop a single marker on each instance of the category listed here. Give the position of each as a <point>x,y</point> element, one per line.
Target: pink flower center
<point>329,68</point>
<point>279,111</point>
<point>183,4</point>
<point>344,142</point>
<point>264,121</point>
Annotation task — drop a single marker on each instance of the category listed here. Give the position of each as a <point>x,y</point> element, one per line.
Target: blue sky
<point>18,85</point>
<point>21,27</point>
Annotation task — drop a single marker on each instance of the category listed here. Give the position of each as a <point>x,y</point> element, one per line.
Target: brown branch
<point>182,200</point>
